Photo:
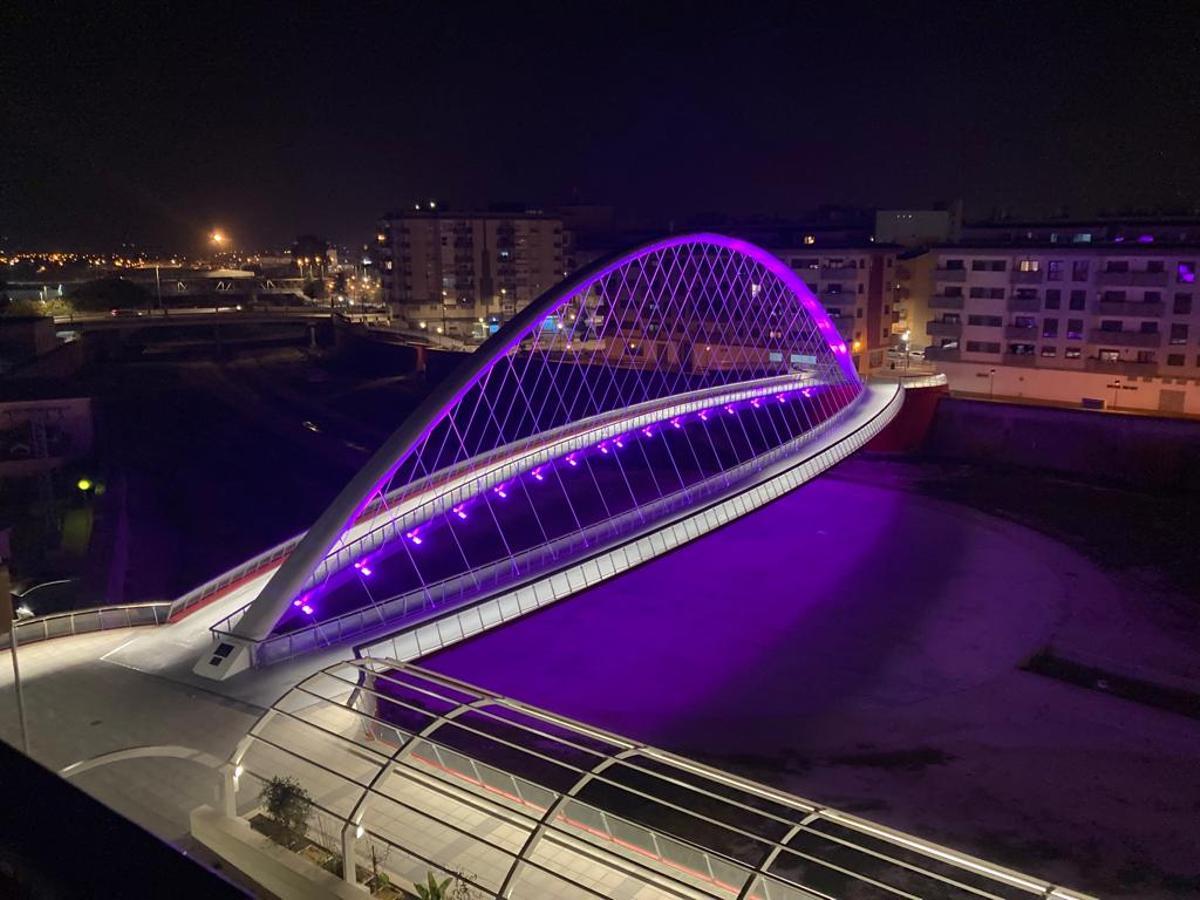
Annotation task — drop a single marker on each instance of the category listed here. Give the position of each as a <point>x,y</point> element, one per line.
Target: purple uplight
<point>781,398</point>
<point>729,408</point>
<point>297,602</point>
<point>603,446</point>
<point>500,492</point>
<point>1187,273</point>
<point>459,511</point>
<point>675,422</point>
<point>1145,239</point>
<point>413,536</point>
<point>755,403</point>
<point>306,609</point>
<point>618,442</point>
<point>537,473</point>
<point>571,461</point>
<point>704,415</point>
<point>647,431</point>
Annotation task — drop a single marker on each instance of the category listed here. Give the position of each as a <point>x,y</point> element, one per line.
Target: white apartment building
<point>1116,325</point>
<point>463,274</point>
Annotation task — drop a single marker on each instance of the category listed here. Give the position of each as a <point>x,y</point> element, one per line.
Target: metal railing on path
<point>84,621</point>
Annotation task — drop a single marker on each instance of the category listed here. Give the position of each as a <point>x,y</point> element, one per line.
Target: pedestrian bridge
<point>637,405</point>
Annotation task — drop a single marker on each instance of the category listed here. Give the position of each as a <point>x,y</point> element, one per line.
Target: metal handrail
<point>84,621</point>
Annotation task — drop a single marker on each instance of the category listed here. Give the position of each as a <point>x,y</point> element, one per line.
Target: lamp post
<point>992,384</point>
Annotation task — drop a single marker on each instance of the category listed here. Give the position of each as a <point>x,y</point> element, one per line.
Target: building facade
<point>1114,325</point>
<point>857,285</point>
<point>462,274</point>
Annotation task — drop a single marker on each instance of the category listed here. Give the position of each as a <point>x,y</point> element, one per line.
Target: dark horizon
<point>153,126</point>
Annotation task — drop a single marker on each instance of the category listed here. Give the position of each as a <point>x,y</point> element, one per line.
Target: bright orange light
<point>857,346</point>
<point>217,237</point>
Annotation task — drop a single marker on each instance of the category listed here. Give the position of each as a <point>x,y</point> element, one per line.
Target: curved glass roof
<point>439,776</point>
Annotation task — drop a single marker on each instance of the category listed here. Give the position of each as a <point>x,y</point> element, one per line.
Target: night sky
<point>152,124</point>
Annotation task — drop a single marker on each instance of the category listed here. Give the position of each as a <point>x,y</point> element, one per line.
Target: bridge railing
<point>476,583</point>
<point>83,621</point>
<point>256,566</point>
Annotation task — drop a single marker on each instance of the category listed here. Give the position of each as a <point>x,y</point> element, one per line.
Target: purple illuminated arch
<point>740,262</point>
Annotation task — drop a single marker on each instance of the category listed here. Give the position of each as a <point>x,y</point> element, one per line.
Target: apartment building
<point>463,274</point>
<point>857,286</point>
<point>1116,325</point>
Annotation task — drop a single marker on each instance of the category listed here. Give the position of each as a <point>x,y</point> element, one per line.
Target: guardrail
<point>247,570</point>
<point>83,621</point>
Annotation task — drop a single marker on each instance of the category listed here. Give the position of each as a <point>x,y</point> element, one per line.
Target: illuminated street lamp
<point>218,238</point>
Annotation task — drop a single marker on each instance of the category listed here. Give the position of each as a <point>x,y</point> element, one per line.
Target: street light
<point>217,237</point>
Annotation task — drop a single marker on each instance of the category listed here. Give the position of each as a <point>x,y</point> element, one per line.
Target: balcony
<point>1028,360</point>
<point>943,329</point>
<point>1143,310</point>
<point>943,354</point>
<point>844,326</point>
<point>955,276</point>
<point>1024,304</point>
<point>940,301</point>
<point>1134,279</point>
<point>1125,338</point>
<point>1016,276</point>
<point>838,298</point>
<point>1119,366</point>
<point>839,273</point>
<point>1020,333</point>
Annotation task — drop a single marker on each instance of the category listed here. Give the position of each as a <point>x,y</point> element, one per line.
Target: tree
<point>289,806</point>
<point>110,293</point>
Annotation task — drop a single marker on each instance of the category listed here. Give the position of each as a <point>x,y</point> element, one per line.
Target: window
<point>859,312</point>
<point>952,290</point>
<point>798,262</point>
<point>988,265</point>
<point>1026,294</point>
<point>1146,356</point>
<point>1024,322</point>
<point>1074,329</point>
<point>987,293</point>
<point>1110,325</point>
<point>1113,297</point>
<point>954,265</point>
<point>1183,304</point>
<point>1078,300</point>
<point>983,347</point>
<point>1149,328</point>
<point>1079,270</point>
<point>1053,298</point>
<point>1049,328</point>
<point>1179,333</point>
<point>985,321</point>
<point>1083,237</point>
<point>1054,270</point>
<point>1021,349</point>
<point>1049,350</point>
<point>1155,265</point>
<point>1071,353</point>
<point>951,318</point>
<point>1117,265</point>
<point>1029,265</point>
<point>1152,297</point>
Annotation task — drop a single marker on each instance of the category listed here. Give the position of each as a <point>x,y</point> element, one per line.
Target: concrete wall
<point>283,873</point>
<point>1168,395</point>
<point>1139,451</point>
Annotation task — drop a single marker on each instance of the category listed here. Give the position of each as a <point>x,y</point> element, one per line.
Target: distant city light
<point>84,484</point>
